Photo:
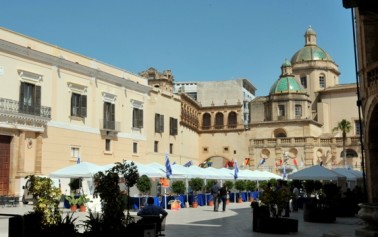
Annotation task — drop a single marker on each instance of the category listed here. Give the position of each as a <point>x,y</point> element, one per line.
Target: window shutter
<point>83,106</point>
<point>174,126</point>
<point>135,117</point>
<point>171,126</point>
<point>157,120</point>
<point>140,118</point>
<point>161,123</point>
<point>37,105</point>
<point>21,101</point>
<point>112,115</point>
<point>105,117</point>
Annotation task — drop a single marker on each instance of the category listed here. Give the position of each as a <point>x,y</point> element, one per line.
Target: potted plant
<point>73,201</point>
<point>144,186</point>
<point>268,213</point>
<point>250,186</point>
<point>196,184</point>
<point>75,184</point>
<point>240,186</point>
<point>82,202</point>
<point>229,185</point>
<point>178,187</point>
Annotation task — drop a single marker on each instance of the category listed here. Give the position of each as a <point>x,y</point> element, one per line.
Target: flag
<point>190,163</point>
<point>168,168</point>
<point>246,161</point>
<point>284,172</point>
<point>295,163</point>
<point>236,170</point>
<point>78,160</point>
<point>262,161</point>
<point>174,162</point>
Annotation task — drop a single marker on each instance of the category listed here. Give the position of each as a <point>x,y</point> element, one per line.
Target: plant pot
<point>251,199</point>
<point>175,205</point>
<point>369,213</point>
<point>194,204</point>
<point>73,208</point>
<point>227,201</point>
<point>83,208</point>
<point>240,200</point>
<point>210,203</point>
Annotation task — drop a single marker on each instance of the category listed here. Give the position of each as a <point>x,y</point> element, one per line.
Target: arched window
<point>206,121</point>
<point>219,120</point>
<point>232,121</point>
<point>350,153</point>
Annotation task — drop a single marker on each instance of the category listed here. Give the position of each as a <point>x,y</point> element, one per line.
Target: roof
<point>286,85</point>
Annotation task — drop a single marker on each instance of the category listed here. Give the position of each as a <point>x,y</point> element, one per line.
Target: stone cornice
<point>34,55</point>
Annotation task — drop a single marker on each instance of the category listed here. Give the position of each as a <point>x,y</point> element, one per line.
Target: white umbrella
<point>81,170</point>
<point>149,171</point>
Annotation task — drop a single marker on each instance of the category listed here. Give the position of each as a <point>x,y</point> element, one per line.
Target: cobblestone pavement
<point>203,221</point>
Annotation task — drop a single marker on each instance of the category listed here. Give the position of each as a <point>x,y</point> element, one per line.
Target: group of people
<point>219,194</point>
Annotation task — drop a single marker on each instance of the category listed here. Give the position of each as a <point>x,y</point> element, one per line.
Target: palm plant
<point>344,126</point>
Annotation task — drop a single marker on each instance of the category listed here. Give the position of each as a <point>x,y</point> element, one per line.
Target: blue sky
<point>199,40</point>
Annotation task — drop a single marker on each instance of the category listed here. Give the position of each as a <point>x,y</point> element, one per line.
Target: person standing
<point>223,195</point>
<point>295,198</point>
<point>215,193</point>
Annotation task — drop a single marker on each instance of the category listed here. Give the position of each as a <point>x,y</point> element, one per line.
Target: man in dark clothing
<point>223,196</point>
<point>215,193</point>
<point>152,209</point>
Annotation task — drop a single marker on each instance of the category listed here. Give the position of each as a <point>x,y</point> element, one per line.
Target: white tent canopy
<point>81,170</point>
<point>350,176</point>
<point>149,171</point>
<point>316,172</point>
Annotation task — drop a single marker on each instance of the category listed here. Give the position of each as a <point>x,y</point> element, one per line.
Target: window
<point>219,120</point>
<point>321,82</point>
<point>135,147</point>
<point>357,127</point>
<point>107,145</point>
<point>225,149</point>
<point>156,146</point>
<point>78,105</point>
<point>206,121</point>
<point>171,148</point>
<point>109,116</point>
<point>75,152</point>
<point>304,82</point>
<point>137,118</point>
<point>232,120</point>
<point>172,126</point>
<point>159,123</point>
<point>298,111</point>
<point>281,110</point>
<point>30,99</point>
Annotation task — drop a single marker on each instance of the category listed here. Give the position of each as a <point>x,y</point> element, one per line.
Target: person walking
<point>215,193</point>
<point>223,195</point>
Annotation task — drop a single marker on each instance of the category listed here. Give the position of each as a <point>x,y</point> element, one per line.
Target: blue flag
<point>236,170</point>
<point>78,160</point>
<point>262,161</point>
<point>168,168</point>
<point>188,164</point>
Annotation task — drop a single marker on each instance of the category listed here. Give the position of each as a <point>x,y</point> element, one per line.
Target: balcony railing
<point>13,107</point>
<point>110,125</point>
<point>273,142</point>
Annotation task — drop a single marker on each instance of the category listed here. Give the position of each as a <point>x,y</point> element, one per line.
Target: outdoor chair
<point>154,219</point>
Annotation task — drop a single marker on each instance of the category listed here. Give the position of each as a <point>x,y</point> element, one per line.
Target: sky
<point>198,40</point>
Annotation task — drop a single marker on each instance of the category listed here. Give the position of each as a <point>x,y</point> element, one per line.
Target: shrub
<point>178,187</point>
<point>144,184</point>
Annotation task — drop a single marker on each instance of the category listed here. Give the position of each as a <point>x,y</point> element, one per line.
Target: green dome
<point>310,53</point>
<point>286,63</point>
<point>286,85</point>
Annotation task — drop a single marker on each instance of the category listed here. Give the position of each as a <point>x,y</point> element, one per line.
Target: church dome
<point>310,51</point>
<point>286,85</point>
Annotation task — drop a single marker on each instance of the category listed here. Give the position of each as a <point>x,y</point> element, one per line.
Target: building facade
<point>57,106</point>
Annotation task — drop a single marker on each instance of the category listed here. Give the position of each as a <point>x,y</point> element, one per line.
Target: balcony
<point>27,117</point>
<point>109,127</point>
